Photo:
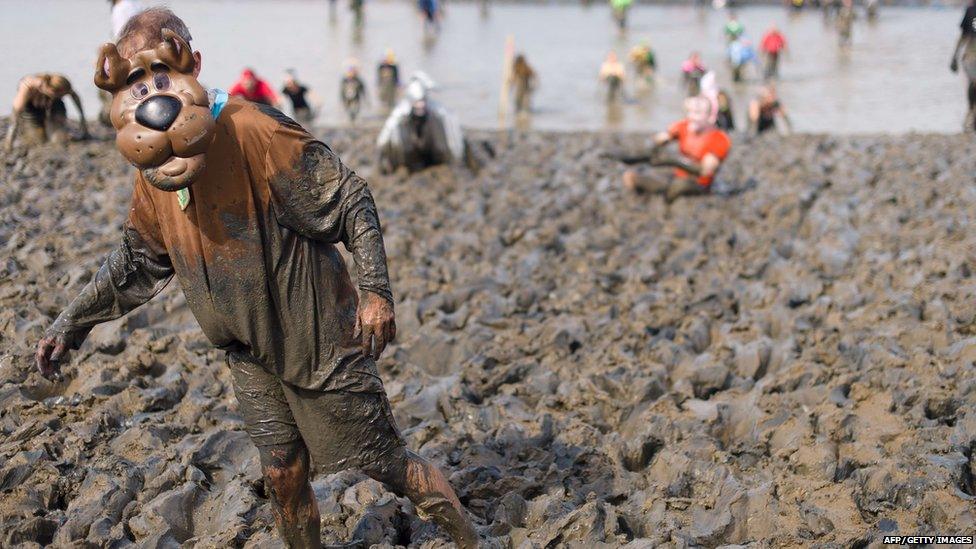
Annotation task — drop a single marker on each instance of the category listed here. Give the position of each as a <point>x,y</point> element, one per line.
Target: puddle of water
<point>894,79</point>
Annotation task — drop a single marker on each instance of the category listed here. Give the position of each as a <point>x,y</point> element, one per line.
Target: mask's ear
<point>175,52</point>
<point>111,69</point>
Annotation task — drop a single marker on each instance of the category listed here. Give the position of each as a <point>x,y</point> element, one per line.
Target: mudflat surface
<point>789,361</point>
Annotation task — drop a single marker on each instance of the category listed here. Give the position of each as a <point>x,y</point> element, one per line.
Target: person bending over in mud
<point>965,51</point>
<point>39,114</point>
<point>244,207</point>
<point>421,133</point>
<point>765,109</point>
<point>702,149</point>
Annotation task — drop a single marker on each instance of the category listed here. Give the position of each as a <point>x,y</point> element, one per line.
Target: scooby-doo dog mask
<point>161,112</point>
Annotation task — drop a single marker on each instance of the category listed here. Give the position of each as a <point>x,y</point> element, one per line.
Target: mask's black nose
<point>158,112</point>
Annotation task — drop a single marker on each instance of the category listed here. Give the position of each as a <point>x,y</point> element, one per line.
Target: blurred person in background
<point>612,74</point>
<point>692,70</point>
<point>352,90</point>
<point>524,82</point>
<point>644,62</point>
<point>254,89</point>
<point>965,51</point>
<point>38,114</point>
<point>701,146</point>
<point>298,94</point>
<point>388,79</point>
<point>765,110</point>
<point>773,44</point>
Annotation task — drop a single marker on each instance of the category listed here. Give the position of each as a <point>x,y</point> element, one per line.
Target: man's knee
<point>286,469</point>
<point>390,469</point>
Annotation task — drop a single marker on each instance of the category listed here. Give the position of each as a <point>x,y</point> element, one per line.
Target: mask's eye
<point>140,90</point>
<point>161,81</point>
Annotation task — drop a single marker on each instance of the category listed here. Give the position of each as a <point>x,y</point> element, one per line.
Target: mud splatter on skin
<point>286,472</point>
<point>793,363</point>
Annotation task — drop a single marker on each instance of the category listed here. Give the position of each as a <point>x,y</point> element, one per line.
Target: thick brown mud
<point>787,362</point>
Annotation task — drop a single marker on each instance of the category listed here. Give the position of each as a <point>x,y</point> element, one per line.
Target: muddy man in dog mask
<point>245,207</point>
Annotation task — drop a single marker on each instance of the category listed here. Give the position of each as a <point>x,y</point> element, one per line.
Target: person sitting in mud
<point>38,113</point>
<point>612,74</point>
<point>643,60</point>
<point>254,89</point>
<point>965,51</point>
<point>297,93</point>
<point>245,208</point>
<point>692,70</point>
<point>524,81</point>
<point>352,91</point>
<point>765,110</point>
<point>702,148</point>
<point>388,79</point>
<point>421,133</point>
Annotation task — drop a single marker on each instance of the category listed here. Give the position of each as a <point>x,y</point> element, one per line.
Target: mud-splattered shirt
<point>254,252</point>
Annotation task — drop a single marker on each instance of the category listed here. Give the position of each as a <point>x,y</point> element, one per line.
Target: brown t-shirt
<point>254,249</point>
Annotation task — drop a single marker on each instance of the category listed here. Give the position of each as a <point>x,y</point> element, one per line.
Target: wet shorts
<point>341,429</point>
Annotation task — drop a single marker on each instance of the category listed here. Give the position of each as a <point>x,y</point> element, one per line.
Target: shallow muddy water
<point>894,78</point>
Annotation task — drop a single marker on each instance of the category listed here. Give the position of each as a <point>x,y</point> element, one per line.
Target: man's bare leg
<point>412,476</point>
<point>286,475</point>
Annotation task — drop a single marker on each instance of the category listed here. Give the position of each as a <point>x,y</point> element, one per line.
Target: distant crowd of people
<point>40,114</point>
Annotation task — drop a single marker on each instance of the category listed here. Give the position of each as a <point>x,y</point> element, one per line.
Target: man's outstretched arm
<point>130,276</point>
<point>20,103</point>
<point>81,114</point>
<point>324,200</point>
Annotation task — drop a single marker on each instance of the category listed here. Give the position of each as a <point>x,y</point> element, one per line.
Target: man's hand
<point>51,351</point>
<point>954,65</point>
<point>375,324</point>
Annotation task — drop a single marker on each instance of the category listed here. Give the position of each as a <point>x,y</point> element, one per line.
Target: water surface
<point>893,79</point>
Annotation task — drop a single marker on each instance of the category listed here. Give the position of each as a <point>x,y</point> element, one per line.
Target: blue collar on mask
<point>220,99</point>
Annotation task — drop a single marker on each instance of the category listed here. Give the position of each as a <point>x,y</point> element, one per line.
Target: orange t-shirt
<point>696,145</point>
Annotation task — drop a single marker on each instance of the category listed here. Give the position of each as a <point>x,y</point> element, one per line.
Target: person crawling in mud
<point>39,114</point>
<point>244,208</point>
<point>420,133</point>
<point>702,148</point>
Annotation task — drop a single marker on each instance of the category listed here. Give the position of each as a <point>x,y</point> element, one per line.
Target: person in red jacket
<point>254,89</point>
<point>702,148</point>
<point>773,44</point>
